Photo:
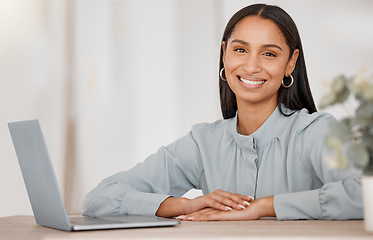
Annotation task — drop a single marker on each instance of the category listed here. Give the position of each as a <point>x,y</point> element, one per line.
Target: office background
<point>113,80</point>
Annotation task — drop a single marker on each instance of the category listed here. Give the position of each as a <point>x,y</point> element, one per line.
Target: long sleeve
<point>173,170</point>
<point>339,200</point>
<point>340,195</point>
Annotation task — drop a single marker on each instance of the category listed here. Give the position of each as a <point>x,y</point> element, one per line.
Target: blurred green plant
<point>352,137</point>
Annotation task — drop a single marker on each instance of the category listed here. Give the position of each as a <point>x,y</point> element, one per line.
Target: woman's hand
<point>219,200</point>
<point>258,208</point>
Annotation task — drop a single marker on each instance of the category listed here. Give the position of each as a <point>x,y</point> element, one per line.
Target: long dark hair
<point>296,97</point>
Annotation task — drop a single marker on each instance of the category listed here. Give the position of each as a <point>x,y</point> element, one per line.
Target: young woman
<point>267,157</point>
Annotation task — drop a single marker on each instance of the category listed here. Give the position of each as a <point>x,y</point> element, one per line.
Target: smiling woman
<point>265,158</point>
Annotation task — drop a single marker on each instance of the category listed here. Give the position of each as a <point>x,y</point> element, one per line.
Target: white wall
<point>140,73</point>
<point>32,73</point>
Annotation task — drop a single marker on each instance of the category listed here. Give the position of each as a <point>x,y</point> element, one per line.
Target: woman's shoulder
<point>216,125</point>
<point>304,118</point>
<point>213,129</point>
<point>317,123</point>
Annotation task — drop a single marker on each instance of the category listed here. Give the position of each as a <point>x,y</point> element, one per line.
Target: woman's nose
<point>252,64</point>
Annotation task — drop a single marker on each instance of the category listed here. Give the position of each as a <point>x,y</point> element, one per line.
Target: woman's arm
<point>172,171</point>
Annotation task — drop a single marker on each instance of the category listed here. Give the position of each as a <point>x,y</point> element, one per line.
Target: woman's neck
<point>251,117</point>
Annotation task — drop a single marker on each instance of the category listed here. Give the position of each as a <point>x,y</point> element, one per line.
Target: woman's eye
<point>240,50</point>
<point>269,54</point>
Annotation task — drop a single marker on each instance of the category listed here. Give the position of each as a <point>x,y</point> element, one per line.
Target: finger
<point>181,217</point>
<point>237,201</point>
<point>197,214</point>
<point>219,203</point>
<point>205,201</point>
<point>249,198</point>
<point>229,194</point>
<point>230,200</point>
<point>222,200</point>
<point>211,215</point>
<point>240,199</point>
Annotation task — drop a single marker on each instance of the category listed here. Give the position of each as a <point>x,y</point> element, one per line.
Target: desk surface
<point>24,227</point>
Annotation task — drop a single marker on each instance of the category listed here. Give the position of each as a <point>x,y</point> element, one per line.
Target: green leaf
<point>339,84</point>
<point>368,93</point>
<point>333,142</point>
<point>367,141</point>
<point>343,95</point>
<point>360,121</point>
<point>354,86</point>
<point>340,130</point>
<point>365,111</point>
<point>337,160</point>
<point>358,154</point>
<point>346,123</point>
<point>328,100</point>
<point>370,129</point>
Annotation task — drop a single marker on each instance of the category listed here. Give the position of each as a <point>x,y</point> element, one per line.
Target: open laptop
<point>44,194</point>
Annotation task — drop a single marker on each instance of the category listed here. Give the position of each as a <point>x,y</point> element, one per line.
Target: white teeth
<point>252,82</point>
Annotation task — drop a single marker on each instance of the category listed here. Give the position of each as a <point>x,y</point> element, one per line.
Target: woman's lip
<point>251,81</point>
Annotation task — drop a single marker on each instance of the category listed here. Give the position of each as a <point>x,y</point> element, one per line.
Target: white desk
<point>24,227</point>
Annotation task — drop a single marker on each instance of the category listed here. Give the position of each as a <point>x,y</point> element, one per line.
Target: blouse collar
<point>272,128</point>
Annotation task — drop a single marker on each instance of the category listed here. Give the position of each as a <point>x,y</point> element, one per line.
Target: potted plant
<point>352,137</point>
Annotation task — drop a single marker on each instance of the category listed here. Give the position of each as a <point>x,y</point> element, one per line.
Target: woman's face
<point>256,59</point>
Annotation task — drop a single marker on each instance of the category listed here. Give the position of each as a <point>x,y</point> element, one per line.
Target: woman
<point>265,158</point>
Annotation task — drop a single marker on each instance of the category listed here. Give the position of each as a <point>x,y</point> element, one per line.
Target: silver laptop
<point>44,194</point>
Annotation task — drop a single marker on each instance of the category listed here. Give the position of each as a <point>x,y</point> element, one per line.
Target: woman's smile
<point>251,82</point>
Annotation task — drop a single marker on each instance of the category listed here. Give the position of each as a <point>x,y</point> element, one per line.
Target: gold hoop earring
<point>221,75</point>
<point>291,83</point>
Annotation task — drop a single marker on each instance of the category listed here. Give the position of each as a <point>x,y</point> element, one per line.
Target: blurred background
<point>112,81</point>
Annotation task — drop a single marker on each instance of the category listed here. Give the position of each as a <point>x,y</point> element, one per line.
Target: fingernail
<point>191,218</point>
<point>246,203</point>
<point>241,206</point>
<point>252,198</point>
<point>228,208</point>
<point>180,217</point>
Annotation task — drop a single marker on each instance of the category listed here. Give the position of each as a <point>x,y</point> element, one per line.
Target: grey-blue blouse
<point>286,157</point>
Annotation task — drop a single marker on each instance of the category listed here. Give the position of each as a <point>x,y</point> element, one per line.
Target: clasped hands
<point>217,205</point>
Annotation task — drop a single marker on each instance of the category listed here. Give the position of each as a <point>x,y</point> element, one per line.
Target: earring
<point>221,75</point>
<point>287,86</point>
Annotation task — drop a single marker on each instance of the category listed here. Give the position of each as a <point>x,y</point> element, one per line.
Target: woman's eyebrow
<point>265,45</point>
<point>240,41</point>
<point>272,46</point>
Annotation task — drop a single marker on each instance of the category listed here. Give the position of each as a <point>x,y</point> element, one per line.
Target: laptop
<point>44,194</point>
